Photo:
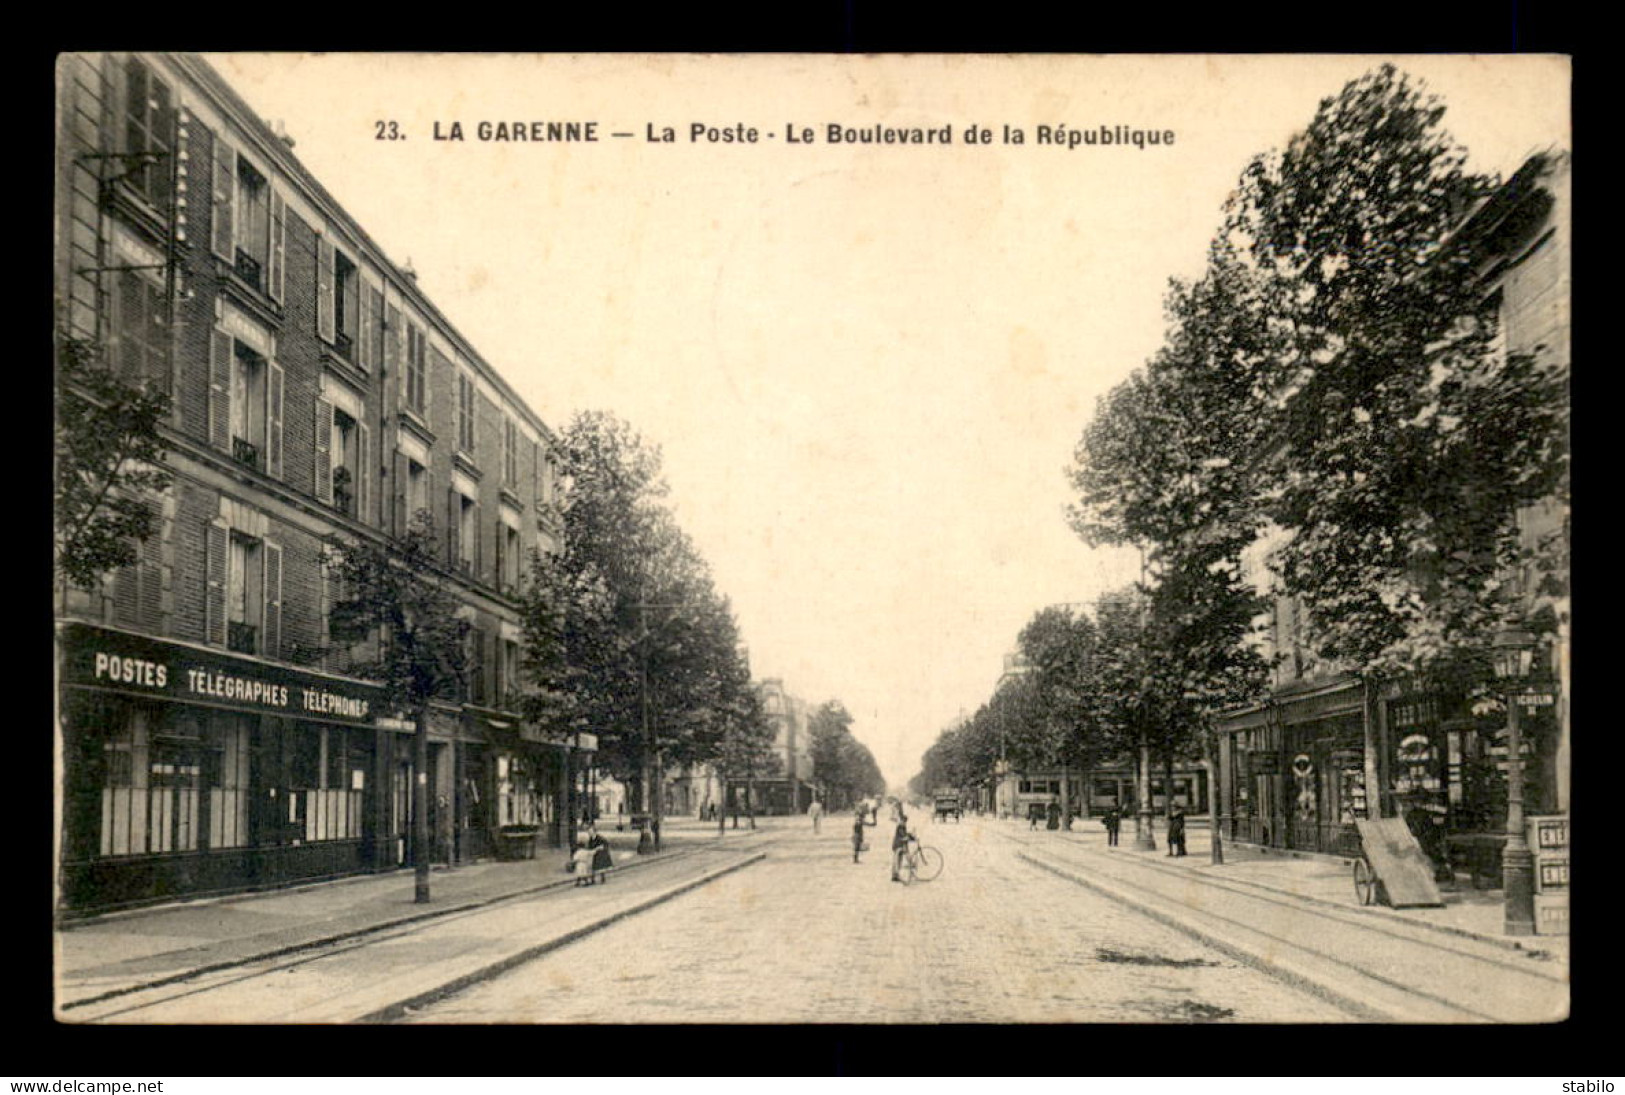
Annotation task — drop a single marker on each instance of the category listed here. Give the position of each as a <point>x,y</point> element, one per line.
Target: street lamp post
<point>1514,653</point>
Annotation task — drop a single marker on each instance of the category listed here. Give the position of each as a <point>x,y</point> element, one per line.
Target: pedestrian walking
<point>1054,821</point>
<point>857,831</point>
<point>603,860</point>
<point>816,812</point>
<point>1176,830</point>
<point>1114,822</point>
<point>581,864</point>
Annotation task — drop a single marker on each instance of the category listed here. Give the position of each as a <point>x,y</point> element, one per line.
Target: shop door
<point>176,808</point>
<point>1304,783</point>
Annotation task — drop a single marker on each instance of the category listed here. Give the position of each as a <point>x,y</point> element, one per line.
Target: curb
<point>339,937</point>
<point>393,1012</point>
<point>1391,915</point>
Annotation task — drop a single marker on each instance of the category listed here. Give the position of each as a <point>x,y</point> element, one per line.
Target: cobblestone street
<point>807,936</point>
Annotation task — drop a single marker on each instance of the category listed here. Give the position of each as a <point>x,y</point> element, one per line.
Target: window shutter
<point>454,504</point>
<point>225,191</point>
<point>363,472</point>
<point>273,420</point>
<point>351,302</point>
<point>502,575</point>
<point>214,579</point>
<point>324,447</point>
<point>151,608</point>
<point>324,627</point>
<point>324,288</point>
<point>399,514</point>
<point>479,546</point>
<point>367,345</point>
<point>127,595</point>
<point>220,389</point>
<point>279,243</point>
<point>272,646</point>
<point>392,350</point>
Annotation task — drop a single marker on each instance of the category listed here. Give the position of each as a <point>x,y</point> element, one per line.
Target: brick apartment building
<point>211,736</point>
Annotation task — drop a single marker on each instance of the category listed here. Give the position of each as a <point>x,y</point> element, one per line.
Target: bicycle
<point>920,862</point>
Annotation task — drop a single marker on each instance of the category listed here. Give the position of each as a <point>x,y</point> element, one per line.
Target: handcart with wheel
<point>1392,868</point>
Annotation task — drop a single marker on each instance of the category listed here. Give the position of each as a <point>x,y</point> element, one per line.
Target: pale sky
<point>867,365</point>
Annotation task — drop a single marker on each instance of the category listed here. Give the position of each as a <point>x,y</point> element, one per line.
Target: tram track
<point>1367,964</point>
<point>369,983</point>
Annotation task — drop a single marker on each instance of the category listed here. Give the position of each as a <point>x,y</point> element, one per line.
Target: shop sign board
<point>1552,914</point>
<point>1265,764</point>
<point>1549,841</point>
<point>1549,832</point>
<point>99,658</point>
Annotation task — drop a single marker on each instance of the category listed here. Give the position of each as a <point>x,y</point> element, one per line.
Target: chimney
<point>280,131</point>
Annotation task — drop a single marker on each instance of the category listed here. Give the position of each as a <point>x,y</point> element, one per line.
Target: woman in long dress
<point>603,861</point>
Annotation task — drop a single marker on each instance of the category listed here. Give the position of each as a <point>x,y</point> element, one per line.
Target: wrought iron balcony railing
<point>245,452</point>
<point>242,638</point>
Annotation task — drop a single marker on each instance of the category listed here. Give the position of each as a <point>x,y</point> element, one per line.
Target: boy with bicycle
<point>899,843</point>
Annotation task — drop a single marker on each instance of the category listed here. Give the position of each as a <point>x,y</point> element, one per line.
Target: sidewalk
<point>1479,914</point>
<point>142,947</point>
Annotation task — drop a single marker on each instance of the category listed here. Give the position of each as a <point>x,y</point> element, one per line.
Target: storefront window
<point>516,791</point>
<point>153,783</point>
<point>227,776</point>
<point>333,790</point>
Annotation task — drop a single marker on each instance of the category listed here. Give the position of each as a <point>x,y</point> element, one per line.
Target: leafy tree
<point>1335,373</point>
<point>109,461</point>
<point>1409,439</point>
<point>747,744</point>
<point>842,765</point>
<point>398,588</point>
<point>625,630</point>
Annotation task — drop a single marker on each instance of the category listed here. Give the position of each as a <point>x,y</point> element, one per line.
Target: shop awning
<point>1338,698</point>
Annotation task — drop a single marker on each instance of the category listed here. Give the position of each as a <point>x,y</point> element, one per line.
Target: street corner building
<point>1324,750</point>
<point>212,736</point>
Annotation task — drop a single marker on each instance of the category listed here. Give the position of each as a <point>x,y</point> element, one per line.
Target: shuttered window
<point>148,129</point>
<point>138,588</point>
<point>141,327</point>
<point>416,370</point>
<point>465,413</point>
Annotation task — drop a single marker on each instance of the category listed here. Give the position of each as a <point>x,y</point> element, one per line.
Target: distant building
<point>1014,792</point>
<point>787,786</point>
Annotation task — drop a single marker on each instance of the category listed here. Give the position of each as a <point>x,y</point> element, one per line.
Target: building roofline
<point>197,68</point>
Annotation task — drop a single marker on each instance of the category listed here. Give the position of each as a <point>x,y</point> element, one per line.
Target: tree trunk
<point>1144,841</point>
<point>1211,762</point>
<point>1378,803</point>
<point>420,807</point>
